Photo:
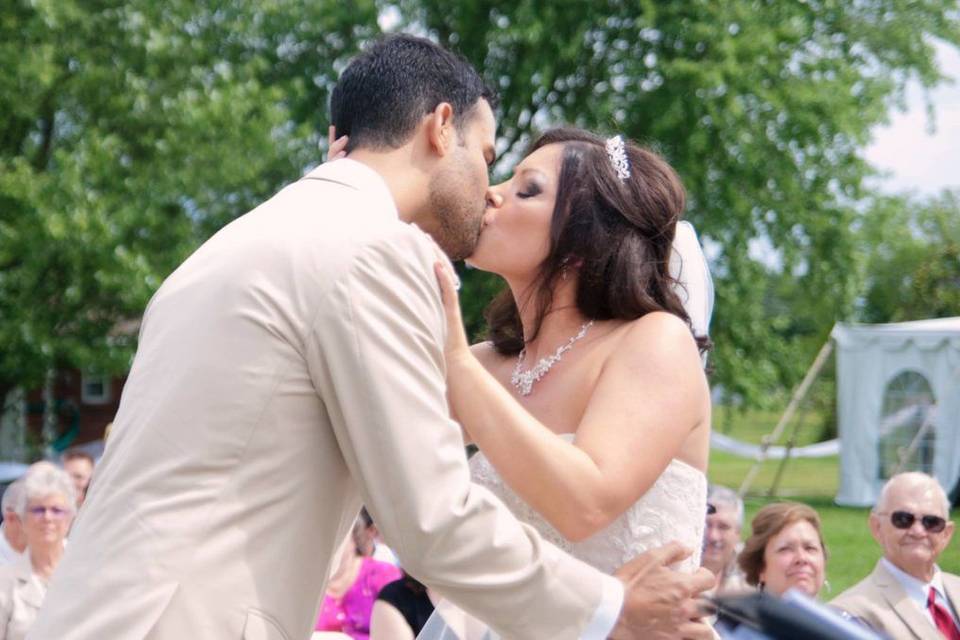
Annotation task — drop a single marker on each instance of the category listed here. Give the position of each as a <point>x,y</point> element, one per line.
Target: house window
<point>94,389</point>
<point>907,434</point>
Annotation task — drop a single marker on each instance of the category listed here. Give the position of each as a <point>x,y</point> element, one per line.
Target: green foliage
<point>762,106</point>
<point>912,258</point>
<point>132,131</point>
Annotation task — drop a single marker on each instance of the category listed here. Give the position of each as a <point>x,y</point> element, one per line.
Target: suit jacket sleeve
<point>376,357</point>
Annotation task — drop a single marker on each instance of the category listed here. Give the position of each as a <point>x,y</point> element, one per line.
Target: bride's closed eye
<point>529,191</point>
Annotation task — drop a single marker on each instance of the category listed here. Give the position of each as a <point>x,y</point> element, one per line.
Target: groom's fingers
<point>695,631</point>
<point>652,563</point>
<point>668,554</point>
<point>703,579</point>
<point>331,135</point>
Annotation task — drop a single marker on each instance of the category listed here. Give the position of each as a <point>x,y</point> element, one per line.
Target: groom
<point>291,370</point>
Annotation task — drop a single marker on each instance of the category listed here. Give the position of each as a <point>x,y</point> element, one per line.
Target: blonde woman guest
<point>785,550</point>
<point>46,508</point>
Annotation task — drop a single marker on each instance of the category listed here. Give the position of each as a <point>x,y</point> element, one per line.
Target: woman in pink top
<point>353,588</point>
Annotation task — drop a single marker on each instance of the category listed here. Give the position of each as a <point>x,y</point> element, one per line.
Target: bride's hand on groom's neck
<point>660,602</point>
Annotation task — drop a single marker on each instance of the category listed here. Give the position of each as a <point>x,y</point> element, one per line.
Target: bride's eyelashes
<point>529,191</point>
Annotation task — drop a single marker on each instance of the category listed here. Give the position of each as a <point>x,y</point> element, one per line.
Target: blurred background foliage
<point>131,131</point>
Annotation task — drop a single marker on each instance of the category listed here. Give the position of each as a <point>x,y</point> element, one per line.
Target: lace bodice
<point>674,508</point>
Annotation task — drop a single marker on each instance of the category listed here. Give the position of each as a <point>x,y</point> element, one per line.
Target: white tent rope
<point>724,443</point>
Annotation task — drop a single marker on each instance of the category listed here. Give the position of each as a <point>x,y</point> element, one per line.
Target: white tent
<point>898,403</point>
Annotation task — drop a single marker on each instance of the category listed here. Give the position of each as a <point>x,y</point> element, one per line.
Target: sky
<point>916,159</point>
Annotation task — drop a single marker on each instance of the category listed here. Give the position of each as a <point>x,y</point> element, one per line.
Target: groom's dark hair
<point>386,90</point>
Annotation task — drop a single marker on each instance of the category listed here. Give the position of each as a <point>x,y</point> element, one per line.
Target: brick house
<point>84,405</point>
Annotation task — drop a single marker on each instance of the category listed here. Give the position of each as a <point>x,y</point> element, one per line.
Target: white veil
<point>688,265</point>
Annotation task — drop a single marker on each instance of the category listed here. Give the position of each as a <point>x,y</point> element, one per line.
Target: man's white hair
<point>10,497</point>
<point>718,495</point>
<point>45,480</point>
<point>914,479</point>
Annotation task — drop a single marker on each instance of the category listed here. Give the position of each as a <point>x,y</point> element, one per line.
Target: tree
<point>911,258</point>
<point>763,107</point>
<point>132,131</point>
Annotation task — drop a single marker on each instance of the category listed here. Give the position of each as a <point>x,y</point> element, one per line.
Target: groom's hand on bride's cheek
<point>660,602</point>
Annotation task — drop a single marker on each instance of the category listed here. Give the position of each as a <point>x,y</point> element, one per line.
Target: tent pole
<point>791,443</point>
<point>906,454</point>
<point>798,395</point>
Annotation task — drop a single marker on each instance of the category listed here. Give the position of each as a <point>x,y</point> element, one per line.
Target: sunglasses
<point>905,520</point>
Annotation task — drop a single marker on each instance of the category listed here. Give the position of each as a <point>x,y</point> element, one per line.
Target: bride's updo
<point>616,234</point>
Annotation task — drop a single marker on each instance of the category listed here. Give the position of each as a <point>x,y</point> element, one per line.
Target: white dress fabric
<point>673,509</point>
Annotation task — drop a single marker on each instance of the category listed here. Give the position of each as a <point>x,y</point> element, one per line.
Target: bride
<point>589,403</point>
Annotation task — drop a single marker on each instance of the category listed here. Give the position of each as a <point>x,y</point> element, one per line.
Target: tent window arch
<point>907,435</point>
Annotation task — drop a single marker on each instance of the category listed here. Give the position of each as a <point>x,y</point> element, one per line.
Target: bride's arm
<point>650,395</point>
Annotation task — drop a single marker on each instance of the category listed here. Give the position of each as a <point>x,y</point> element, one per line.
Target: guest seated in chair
<point>401,610</point>
<point>786,550</point>
<point>353,587</point>
<point>721,539</point>
<point>907,595</point>
<point>12,543</point>
<point>45,507</point>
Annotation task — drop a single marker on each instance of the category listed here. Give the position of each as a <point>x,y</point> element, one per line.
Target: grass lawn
<point>853,551</point>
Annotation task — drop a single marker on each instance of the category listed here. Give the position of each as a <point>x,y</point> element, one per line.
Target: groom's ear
<point>440,130</point>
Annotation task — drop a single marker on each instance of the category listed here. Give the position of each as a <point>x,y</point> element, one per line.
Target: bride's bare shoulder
<point>658,334</point>
<point>488,356</point>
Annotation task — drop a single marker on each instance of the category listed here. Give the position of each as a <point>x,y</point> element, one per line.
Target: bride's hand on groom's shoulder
<point>660,602</point>
<point>457,346</point>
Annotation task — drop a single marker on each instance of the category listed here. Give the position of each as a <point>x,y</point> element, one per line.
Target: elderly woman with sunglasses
<point>46,508</point>
<point>907,595</point>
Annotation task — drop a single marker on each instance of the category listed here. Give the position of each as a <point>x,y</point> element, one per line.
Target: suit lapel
<point>951,585</point>
<point>901,604</point>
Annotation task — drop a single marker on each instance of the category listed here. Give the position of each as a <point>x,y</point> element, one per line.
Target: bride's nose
<point>494,199</point>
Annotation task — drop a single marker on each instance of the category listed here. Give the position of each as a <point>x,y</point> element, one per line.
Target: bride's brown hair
<point>617,234</point>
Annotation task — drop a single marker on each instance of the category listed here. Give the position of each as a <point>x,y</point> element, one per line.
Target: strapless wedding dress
<point>674,508</point>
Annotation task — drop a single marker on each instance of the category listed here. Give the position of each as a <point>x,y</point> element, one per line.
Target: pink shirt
<point>350,613</point>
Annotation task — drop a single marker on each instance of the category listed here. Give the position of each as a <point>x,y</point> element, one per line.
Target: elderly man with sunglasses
<point>907,596</point>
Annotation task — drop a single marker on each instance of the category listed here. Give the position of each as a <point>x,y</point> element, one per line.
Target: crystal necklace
<point>524,380</point>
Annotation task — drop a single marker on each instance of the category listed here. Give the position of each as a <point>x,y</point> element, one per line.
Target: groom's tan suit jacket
<point>881,602</point>
<point>290,370</point>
